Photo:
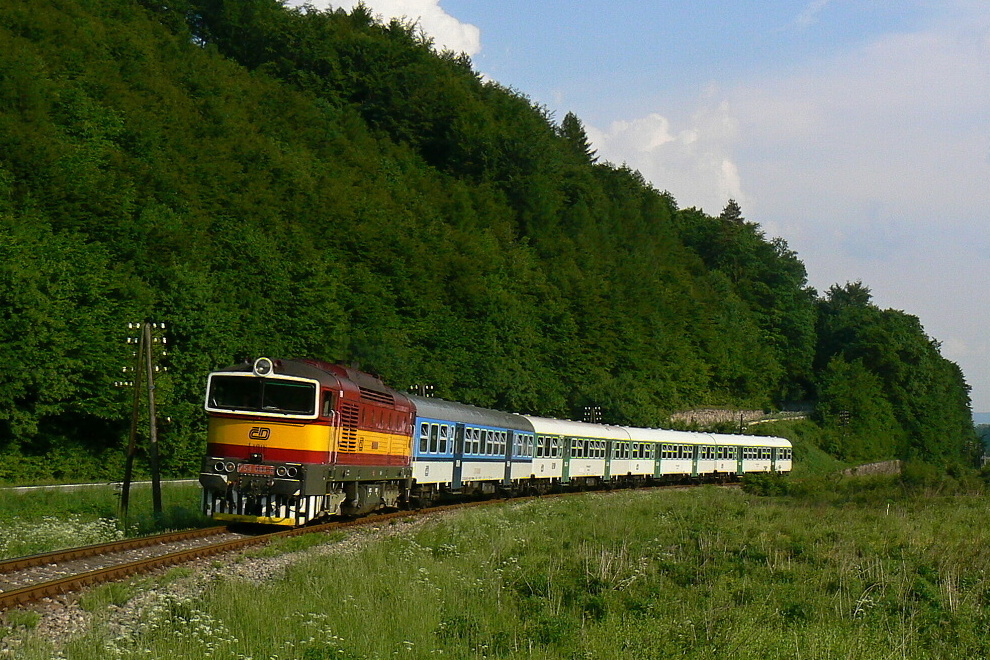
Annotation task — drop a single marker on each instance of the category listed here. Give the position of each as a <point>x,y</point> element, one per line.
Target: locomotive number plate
<point>252,468</point>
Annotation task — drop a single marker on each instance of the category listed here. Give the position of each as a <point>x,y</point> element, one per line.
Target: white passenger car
<point>574,451</point>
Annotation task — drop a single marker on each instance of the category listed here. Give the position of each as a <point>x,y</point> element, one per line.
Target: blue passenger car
<point>460,448</point>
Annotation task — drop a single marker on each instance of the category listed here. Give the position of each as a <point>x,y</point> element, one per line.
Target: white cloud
<point>446,31</point>
<point>809,16</point>
<point>693,163</point>
<point>873,164</point>
<point>893,134</point>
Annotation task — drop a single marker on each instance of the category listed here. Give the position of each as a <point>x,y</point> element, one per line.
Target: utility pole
<point>125,492</point>
<point>156,481</point>
<point>844,417</point>
<point>422,390</point>
<point>149,335</point>
<point>592,414</point>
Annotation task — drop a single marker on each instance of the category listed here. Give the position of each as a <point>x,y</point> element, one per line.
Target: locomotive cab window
<point>264,395</point>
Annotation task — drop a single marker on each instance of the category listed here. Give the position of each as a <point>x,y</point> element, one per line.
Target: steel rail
<point>69,554</point>
<point>24,595</point>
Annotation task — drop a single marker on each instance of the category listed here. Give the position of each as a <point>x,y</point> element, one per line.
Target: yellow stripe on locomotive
<point>267,434</point>
<point>307,442</point>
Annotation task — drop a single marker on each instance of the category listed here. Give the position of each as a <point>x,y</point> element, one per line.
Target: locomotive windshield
<point>264,395</point>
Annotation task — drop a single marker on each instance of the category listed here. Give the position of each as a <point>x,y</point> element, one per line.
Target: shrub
<point>766,484</point>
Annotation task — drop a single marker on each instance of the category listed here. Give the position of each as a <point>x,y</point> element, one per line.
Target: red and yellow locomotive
<point>292,440</point>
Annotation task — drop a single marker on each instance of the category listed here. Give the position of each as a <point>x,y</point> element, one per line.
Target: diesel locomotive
<point>291,441</point>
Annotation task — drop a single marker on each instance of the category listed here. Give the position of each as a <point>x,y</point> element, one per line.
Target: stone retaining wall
<point>883,467</point>
<point>709,416</point>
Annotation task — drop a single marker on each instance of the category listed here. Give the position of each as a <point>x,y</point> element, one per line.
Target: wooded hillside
<point>288,183</point>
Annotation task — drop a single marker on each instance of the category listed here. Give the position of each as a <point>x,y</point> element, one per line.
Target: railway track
<point>28,579</point>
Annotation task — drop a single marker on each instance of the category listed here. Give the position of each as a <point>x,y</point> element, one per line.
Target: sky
<point>856,130</point>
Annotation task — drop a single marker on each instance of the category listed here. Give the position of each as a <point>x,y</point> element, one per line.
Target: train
<point>292,441</point>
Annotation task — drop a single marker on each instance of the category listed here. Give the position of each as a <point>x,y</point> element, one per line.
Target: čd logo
<point>260,433</point>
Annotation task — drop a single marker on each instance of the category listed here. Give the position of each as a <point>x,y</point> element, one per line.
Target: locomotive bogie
<point>364,497</point>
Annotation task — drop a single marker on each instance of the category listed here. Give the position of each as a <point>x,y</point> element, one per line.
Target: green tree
<point>854,408</point>
<point>574,135</point>
<point>926,393</point>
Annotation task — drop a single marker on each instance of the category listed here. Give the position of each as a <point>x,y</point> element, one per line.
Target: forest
<point>298,183</point>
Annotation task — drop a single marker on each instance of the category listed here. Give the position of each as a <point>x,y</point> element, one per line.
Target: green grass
<point>700,573</point>
<point>44,520</point>
<point>104,595</point>
<point>809,459</point>
<point>292,544</point>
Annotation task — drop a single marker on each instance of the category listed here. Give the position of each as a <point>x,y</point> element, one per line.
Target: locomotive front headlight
<point>263,366</point>
<point>219,467</point>
<point>291,472</point>
<point>229,466</point>
<point>280,471</point>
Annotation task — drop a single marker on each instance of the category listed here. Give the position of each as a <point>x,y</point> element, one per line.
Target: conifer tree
<point>572,130</point>
<point>732,213</point>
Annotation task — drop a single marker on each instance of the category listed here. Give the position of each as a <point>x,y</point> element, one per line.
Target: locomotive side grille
<point>380,397</point>
<point>349,427</point>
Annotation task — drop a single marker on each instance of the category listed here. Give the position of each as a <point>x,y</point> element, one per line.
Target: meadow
<point>51,519</point>
<point>875,569</point>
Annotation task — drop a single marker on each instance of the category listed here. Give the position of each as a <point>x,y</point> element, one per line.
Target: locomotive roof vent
<point>263,367</point>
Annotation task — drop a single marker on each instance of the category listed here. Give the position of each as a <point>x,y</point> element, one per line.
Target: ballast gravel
<point>62,618</point>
